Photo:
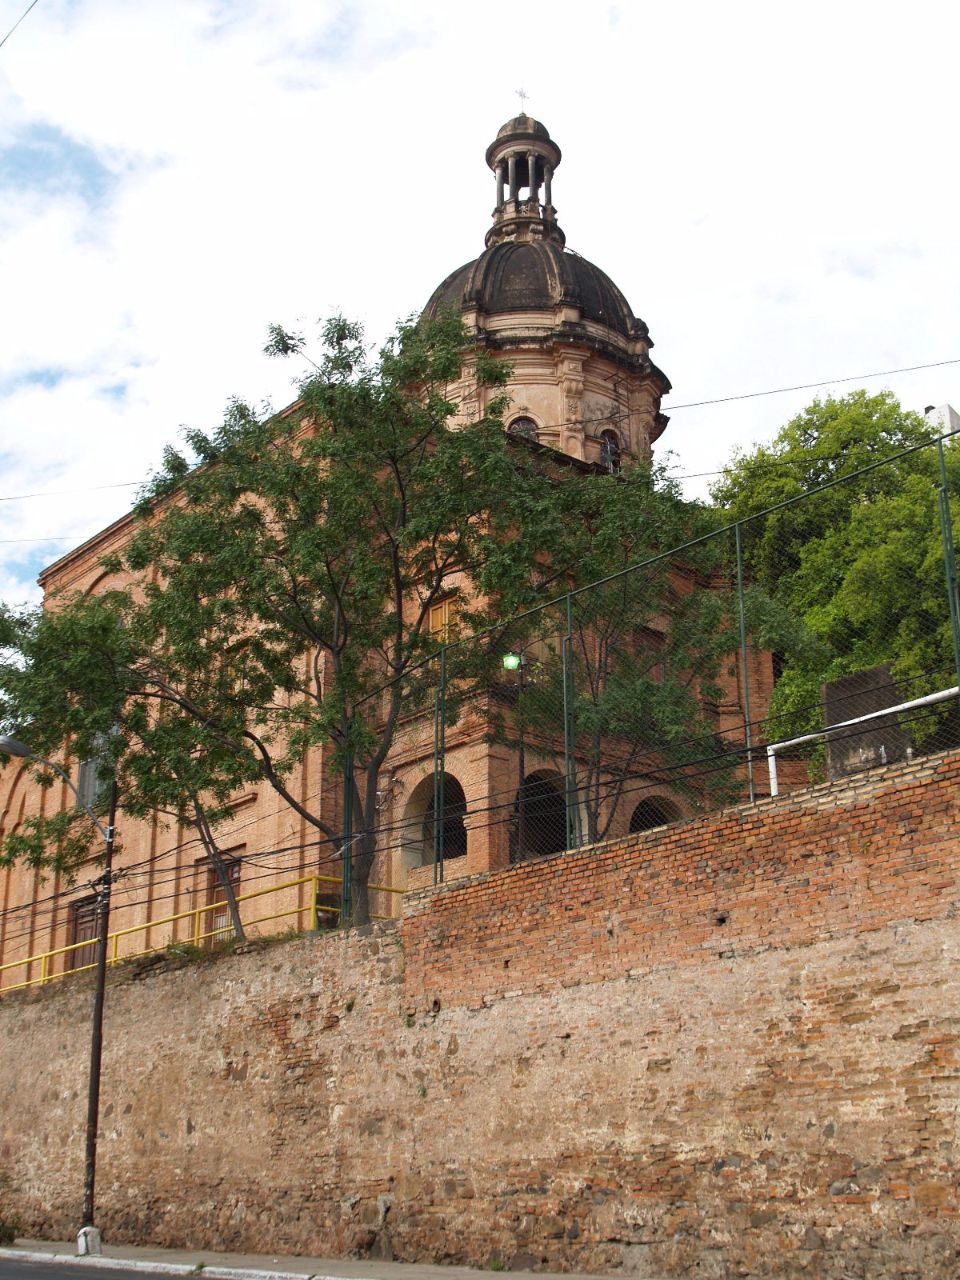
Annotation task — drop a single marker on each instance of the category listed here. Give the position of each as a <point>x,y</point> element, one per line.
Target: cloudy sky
<point>773,187</point>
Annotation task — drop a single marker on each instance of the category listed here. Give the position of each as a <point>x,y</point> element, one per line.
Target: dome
<point>523,124</point>
<point>536,275</point>
<point>527,272</point>
<point>523,128</point>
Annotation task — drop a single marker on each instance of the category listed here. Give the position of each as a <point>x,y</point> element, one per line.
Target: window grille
<point>525,427</point>
<point>610,455</point>
<point>218,925</point>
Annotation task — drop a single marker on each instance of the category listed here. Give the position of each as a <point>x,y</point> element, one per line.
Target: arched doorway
<point>539,822</point>
<point>653,811</point>
<point>419,822</point>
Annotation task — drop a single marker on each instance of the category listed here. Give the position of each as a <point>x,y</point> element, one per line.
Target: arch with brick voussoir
<point>419,822</point>
<point>17,931</point>
<point>653,811</point>
<point>641,805</point>
<point>108,580</point>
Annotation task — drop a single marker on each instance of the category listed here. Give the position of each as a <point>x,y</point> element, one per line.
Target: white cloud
<point>769,186</point>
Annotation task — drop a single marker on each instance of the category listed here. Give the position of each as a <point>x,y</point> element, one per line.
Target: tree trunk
<point>364,846</point>
<point>364,851</point>
<point>595,787</point>
<point>215,858</point>
<point>361,892</point>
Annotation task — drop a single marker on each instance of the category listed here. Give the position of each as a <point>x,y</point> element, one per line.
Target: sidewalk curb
<point>160,1268</point>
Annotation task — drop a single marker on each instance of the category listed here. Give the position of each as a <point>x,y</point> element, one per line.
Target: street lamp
<point>88,1237</point>
<point>516,661</point>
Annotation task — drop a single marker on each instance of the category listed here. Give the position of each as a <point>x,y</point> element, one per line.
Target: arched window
<point>418,825</point>
<point>610,451</point>
<point>92,780</point>
<point>652,813</point>
<point>525,427</point>
<point>539,818</point>
<point>454,832</point>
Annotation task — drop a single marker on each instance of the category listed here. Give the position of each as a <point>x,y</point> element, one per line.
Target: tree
<point>282,577</point>
<point>861,563</point>
<point>68,676</point>
<point>653,649</point>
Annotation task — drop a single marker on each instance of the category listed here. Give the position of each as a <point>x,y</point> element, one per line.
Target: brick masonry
<point>727,1048</point>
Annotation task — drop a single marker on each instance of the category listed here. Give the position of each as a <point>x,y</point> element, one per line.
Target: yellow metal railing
<point>197,934</point>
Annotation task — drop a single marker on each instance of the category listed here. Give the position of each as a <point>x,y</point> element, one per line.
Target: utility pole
<point>88,1239</point>
<point>521,770</point>
<point>516,661</point>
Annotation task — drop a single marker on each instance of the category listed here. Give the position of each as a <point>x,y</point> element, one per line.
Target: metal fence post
<point>747,719</point>
<point>570,733</point>
<point>949,558</point>
<point>346,852</point>
<point>439,751</point>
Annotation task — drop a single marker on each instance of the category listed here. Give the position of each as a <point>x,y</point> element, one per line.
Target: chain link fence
<point>808,641</point>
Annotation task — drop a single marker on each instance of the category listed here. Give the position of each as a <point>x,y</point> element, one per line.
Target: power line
<point>635,780</point>
<point>60,493</point>
<point>647,771</point>
<point>152,860</point>
<point>810,386</point>
<point>53,537</point>
<point>641,766</point>
<point>550,426</point>
<point>773,464</point>
<point>17,23</point>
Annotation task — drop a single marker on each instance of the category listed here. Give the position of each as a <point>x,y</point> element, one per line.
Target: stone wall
<point>725,1048</point>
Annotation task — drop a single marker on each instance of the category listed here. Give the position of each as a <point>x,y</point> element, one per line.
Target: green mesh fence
<point>665,690</point>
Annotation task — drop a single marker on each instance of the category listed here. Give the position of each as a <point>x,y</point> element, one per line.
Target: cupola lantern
<point>523,157</point>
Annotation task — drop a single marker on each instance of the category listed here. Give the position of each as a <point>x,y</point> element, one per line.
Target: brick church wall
<point>729,1047</point>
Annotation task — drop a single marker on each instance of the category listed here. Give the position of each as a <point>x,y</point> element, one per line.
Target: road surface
<point>13,1269</point>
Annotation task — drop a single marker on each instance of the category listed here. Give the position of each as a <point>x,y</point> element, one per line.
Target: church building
<point>583,385</point>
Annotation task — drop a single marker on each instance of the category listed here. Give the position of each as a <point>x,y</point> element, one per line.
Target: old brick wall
<point>726,1048</point>
<point>786,872</point>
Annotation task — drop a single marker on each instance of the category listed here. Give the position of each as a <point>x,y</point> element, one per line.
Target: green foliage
<point>190,953</point>
<point>285,567</point>
<point>280,342</point>
<point>10,1223</point>
<point>860,564</point>
<point>59,842</point>
<point>83,646</point>
<point>653,647</point>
